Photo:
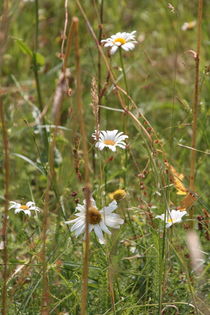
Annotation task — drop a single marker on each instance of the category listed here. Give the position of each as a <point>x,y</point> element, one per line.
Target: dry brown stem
<point>87,189</point>
<point>6,206</point>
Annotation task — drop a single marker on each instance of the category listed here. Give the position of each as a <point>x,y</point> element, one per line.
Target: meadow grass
<point>59,85</point>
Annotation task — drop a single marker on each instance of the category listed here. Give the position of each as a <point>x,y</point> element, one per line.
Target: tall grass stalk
<point>6,206</point>
<point>162,246</point>
<point>45,288</point>
<point>37,81</point>
<point>100,34</point>
<point>65,27</point>
<point>125,116</point>
<point>87,188</point>
<point>96,98</point>
<point>35,65</point>
<point>111,286</point>
<point>68,46</point>
<point>195,106</point>
<point>4,28</point>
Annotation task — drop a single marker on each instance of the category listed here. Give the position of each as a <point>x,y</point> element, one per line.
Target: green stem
<point>37,25</point>
<point>123,70</point>
<point>125,118</point>
<point>162,265</point>
<point>38,87</point>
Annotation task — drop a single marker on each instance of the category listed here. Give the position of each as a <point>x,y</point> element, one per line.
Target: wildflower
<point>188,25</point>
<point>173,216</point>
<point>110,139</point>
<point>124,40</point>
<point>98,219</point>
<point>118,194</point>
<point>176,179</point>
<point>27,208</point>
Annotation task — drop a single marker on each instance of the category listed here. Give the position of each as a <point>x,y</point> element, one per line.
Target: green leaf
<point>25,158</point>
<point>40,59</point>
<point>24,47</point>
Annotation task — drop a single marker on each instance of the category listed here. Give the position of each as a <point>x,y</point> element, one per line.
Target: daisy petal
<point>99,233</point>
<point>113,50</point>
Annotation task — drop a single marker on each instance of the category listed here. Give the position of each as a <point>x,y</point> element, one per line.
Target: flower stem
<point>123,70</point>
<point>125,118</point>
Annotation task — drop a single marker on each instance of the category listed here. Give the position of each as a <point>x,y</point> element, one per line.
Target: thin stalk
<point>105,179</point>
<point>99,55</point>
<point>36,25</point>
<point>111,286</point>
<point>45,289</point>
<point>195,107</point>
<point>65,28</point>
<point>34,56</point>
<point>5,214</point>
<point>87,189</point>
<point>4,28</point>
<point>37,81</point>
<point>68,46</point>
<point>124,117</point>
<point>161,267</point>
<point>38,88</point>
<point>123,70</point>
<point>98,114</point>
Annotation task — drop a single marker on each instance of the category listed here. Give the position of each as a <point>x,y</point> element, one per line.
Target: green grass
<point>150,266</point>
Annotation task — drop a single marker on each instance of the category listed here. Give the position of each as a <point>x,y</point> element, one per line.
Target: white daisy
<point>188,26</point>
<point>98,219</point>
<point>124,40</point>
<point>173,216</point>
<point>110,139</point>
<point>27,208</point>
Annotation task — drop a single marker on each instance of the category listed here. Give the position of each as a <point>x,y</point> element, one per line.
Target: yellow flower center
<point>170,221</point>
<point>94,216</point>
<point>118,194</point>
<point>120,40</point>
<point>24,207</point>
<point>109,142</point>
